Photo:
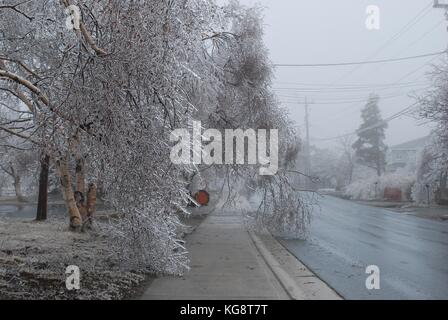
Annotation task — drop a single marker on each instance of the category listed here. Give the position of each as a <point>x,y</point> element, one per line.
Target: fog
<point>328,31</point>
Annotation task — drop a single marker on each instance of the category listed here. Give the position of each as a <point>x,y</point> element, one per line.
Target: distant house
<point>405,154</point>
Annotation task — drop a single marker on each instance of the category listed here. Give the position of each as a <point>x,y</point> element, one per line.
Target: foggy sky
<point>329,31</point>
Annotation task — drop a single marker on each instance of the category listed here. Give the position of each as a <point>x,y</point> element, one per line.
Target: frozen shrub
<point>374,187</point>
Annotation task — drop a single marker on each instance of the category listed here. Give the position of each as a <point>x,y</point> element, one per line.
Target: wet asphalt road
<point>28,210</point>
<point>346,237</point>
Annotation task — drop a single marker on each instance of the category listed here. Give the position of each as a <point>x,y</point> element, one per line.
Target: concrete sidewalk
<point>227,263</point>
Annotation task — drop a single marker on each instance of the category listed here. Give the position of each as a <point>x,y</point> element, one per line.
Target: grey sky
<point>329,31</point>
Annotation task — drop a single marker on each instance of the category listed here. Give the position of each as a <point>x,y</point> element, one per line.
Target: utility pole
<point>442,4</point>
<point>307,143</point>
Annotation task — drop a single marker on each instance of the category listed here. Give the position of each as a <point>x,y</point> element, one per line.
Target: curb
<point>288,284</point>
<point>299,282</point>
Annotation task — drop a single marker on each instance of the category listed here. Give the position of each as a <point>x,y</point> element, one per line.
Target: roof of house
<point>413,144</point>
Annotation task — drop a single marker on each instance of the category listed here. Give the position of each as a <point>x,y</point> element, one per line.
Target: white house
<point>405,154</point>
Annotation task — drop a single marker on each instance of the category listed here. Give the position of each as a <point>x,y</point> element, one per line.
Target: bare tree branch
<point>42,97</point>
<point>19,135</point>
<point>14,8</point>
<point>21,64</point>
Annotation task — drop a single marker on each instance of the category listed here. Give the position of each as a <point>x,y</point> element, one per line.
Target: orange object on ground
<point>202,197</point>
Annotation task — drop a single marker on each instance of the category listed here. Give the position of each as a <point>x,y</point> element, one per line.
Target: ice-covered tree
<point>17,156</point>
<point>18,164</point>
<point>347,161</point>
<point>433,163</point>
<point>370,147</point>
<point>102,100</point>
<point>243,98</point>
<point>105,98</point>
<point>325,167</point>
<point>434,104</point>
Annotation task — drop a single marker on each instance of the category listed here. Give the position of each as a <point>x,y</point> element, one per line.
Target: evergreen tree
<point>370,147</point>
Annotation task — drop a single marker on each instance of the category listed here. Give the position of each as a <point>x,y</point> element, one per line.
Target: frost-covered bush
<point>432,169</point>
<point>361,190</point>
<point>374,187</point>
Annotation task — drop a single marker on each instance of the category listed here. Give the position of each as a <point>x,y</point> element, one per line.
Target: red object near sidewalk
<point>202,197</point>
<point>392,194</point>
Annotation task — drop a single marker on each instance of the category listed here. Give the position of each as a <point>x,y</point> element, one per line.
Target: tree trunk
<point>43,189</point>
<point>91,202</point>
<point>18,188</point>
<point>80,165</point>
<point>378,167</point>
<point>350,175</point>
<point>68,194</point>
<point>379,164</point>
<point>80,174</point>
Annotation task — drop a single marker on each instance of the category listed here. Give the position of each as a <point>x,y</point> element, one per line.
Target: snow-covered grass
<point>34,257</point>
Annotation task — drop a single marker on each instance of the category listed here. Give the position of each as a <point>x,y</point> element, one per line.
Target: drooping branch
<point>311,178</point>
<point>25,100</point>
<point>10,173</point>
<point>90,41</point>
<point>6,146</point>
<point>16,78</point>
<point>21,64</point>
<point>41,96</point>
<point>17,134</point>
<point>21,96</point>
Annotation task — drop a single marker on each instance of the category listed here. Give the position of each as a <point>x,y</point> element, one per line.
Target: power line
<point>405,28</point>
<point>375,87</point>
<point>362,62</point>
<point>287,90</point>
<point>421,14</point>
<point>417,69</point>
<point>400,79</point>
<point>376,125</point>
<point>414,42</point>
<point>289,99</point>
<point>423,36</point>
<point>354,103</point>
<point>371,85</point>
